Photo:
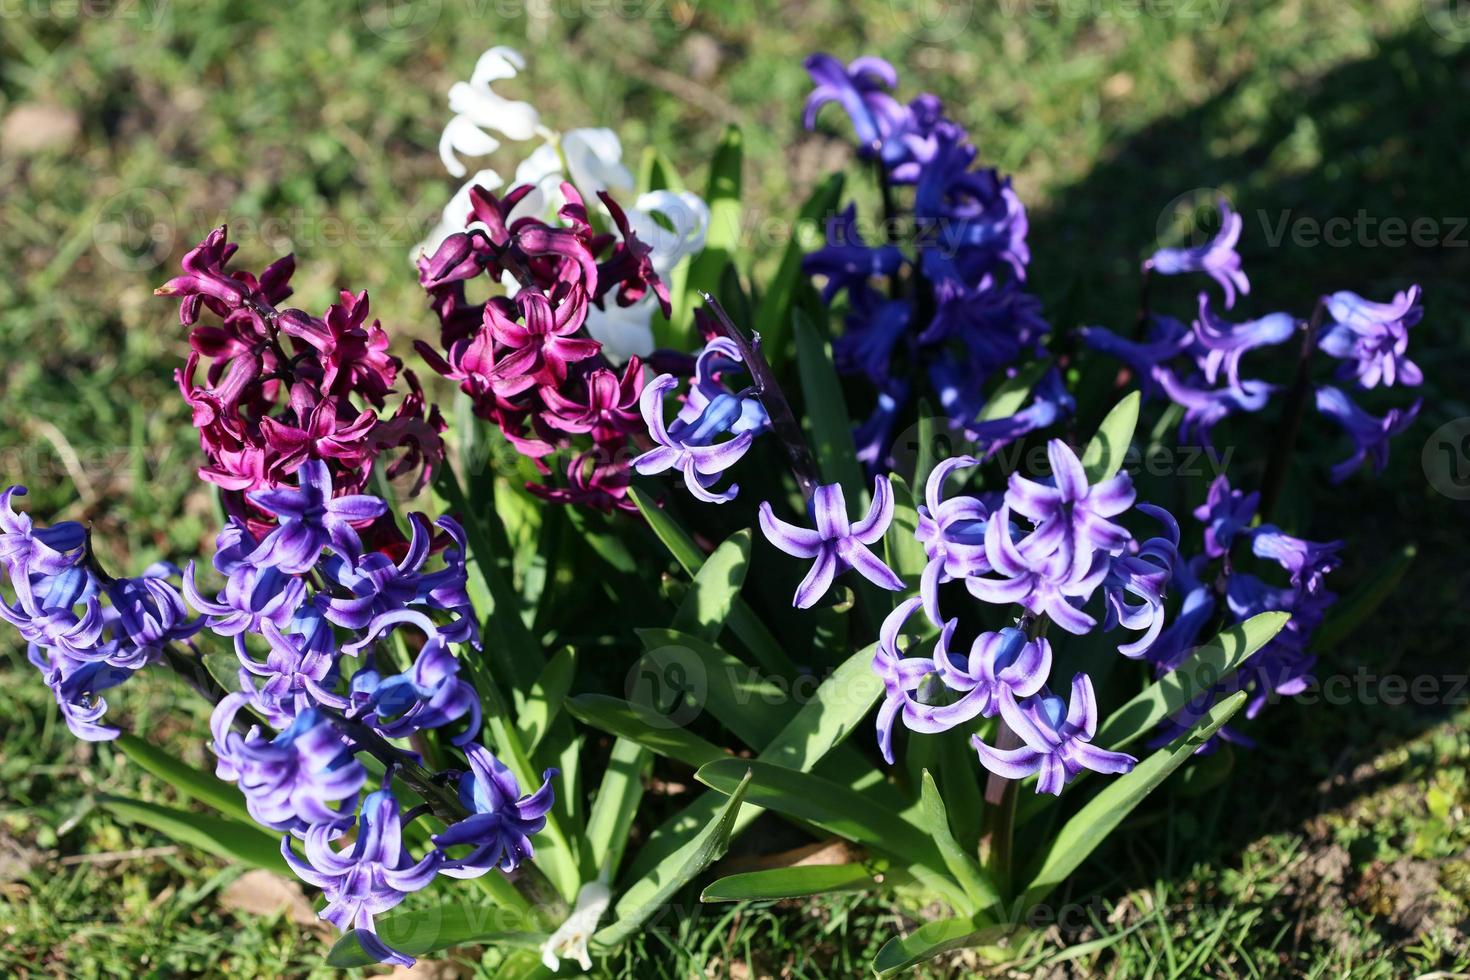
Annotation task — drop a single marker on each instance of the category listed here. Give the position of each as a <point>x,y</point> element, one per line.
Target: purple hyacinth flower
<point>1216,258</point>
<point>1000,661</point>
<point>1143,574</point>
<point>1050,402</point>
<point>374,875</point>
<point>901,675</point>
<point>1167,339</point>
<point>52,620</point>
<point>691,446</point>
<point>836,544</point>
<point>952,532</point>
<point>1224,343</point>
<point>1205,408</point>
<point>149,613</point>
<point>1056,739</point>
<point>1071,518</point>
<point>310,520</point>
<point>77,686</point>
<point>429,695</point>
<point>1370,435</point>
<point>291,780</point>
<point>861,87</point>
<point>1040,581</point>
<point>847,260</point>
<point>501,822</point>
<point>1225,513</point>
<point>300,669</point>
<point>27,550</point>
<point>1374,338</point>
<point>1307,561</point>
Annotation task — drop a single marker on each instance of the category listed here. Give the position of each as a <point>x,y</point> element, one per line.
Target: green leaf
<point>656,173</point>
<point>546,698</point>
<point>905,553</point>
<point>220,836</point>
<point>645,726</point>
<point>931,940</point>
<point>651,892</point>
<point>442,926</point>
<point>717,584</point>
<point>743,622</point>
<point>196,783</point>
<point>1206,667</point>
<point>1081,835</point>
<point>1349,613</point>
<point>1108,449</point>
<point>616,804</point>
<point>795,882</point>
<point>1010,397</point>
<point>722,240</point>
<point>976,883</point>
<point>827,421</point>
<point>775,309</point>
<point>924,452</point>
<point>744,701</point>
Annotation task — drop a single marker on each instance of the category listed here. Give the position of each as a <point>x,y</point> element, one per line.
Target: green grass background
<point>131,128</point>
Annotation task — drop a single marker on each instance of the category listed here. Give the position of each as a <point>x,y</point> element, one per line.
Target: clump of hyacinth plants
<point>1034,636</point>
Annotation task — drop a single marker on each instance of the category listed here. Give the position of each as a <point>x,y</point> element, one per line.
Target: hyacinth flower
<point>312,519</point>
<point>372,876</point>
<point>952,532</point>
<point>1040,582</point>
<point>1225,343</point>
<point>1216,258</point>
<point>77,686</point>
<point>1373,338</point>
<point>862,89</point>
<point>1225,513</point>
<point>836,544</point>
<point>1143,574</point>
<point>478,108</point>
<point>27,550</point>
<point>713,430</point>
<point>429,695</point>
<point>1050,403</point>
<point>1167,339</point>
<point>1056,739</point>
<point>1370,435</point>
<point>1205,408</point>
<point>501,823</point>
<point>301,776</point>
<point>1071,518</point>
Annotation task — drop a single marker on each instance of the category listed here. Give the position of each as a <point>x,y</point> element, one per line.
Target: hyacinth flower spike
<point>1056,739</point>
<point>1217,258</point>
<point>836,543</point>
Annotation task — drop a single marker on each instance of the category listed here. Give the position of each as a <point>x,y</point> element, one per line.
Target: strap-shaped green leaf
<point>707,606</point>
<point>1081,835</point>
<point>1107,451</point>
<point>546,697</point>
<point>649,893</point>
<point>799,881</point>
<point>905,553</point>
<point>616,804</point>
<point>976,883</point>
<point>748,704</point>
<point>773,313</point>
<point>196,783</point>
<point>439,927</point>
<point>221,836</point>
<point>934,939</point>
<point>827,421</point>
<point>722,240</point>
<point>1010,396</point>
<point>645,726</point>
<point>743,621</point>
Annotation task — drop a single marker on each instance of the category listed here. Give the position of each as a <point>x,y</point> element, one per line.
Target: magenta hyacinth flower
<point>374,875</point>
<point>1217,258</point>
<point>310,520</point>
<point>501,821</point>
<point>836,544</point>
<point>1056,739</point>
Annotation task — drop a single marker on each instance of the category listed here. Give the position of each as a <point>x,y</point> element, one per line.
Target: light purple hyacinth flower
<point>501,822</point>
<point>1056,739</point>
<point>430,694</point>
<point>148,614</point>
<point>690,446</point>
<point>1143,574</point>
<point>1205,408</point>
<point>861,88</point>
<point>1037,580</point>
<point>952,532</point>
<point>901,675</point>
<point>1224,343</point>
<point>290,780</point>
<point>52,620</point>
<point>1217,258</point>
<point>836,544</point>
<point>1225,513</point>
<point>1374,338</point>
<point>1370,435</point>
<point>310,520</point>
<point>372,876</point>
<point>27,550</point>
<point>1071,517</point>
<point>999,661</point>
<point>1307,561</point>
<point>77,686</point>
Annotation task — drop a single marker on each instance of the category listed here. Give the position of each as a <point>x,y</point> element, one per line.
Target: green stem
<point>1291,416</point>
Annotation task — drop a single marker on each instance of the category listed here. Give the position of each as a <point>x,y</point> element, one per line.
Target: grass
<point>1337,848</point>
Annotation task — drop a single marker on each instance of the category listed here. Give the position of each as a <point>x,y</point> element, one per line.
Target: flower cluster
<point>524,357</point>
<point>954,310</point>
<point>85,631</point>
<point>282,387</point>
<point>1214,589</point>
<point>671,223</point>
<point>1198,367</point>
<point>1048,547</point>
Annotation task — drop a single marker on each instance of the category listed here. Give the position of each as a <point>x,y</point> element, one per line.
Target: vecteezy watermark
<point>1191,219</point>
<point>135,230</point>
<point>1449,19</point>
<point>1363,230</point>
<point>144,13</point>
<point>932,21</point>
<point>1446,459</point>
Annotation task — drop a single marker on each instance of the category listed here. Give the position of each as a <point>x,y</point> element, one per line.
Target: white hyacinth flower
<point>686,221</point>
<point>477,109</point>
<point>570,939</point>
<point>624,331</point>
<point>452,219</point>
